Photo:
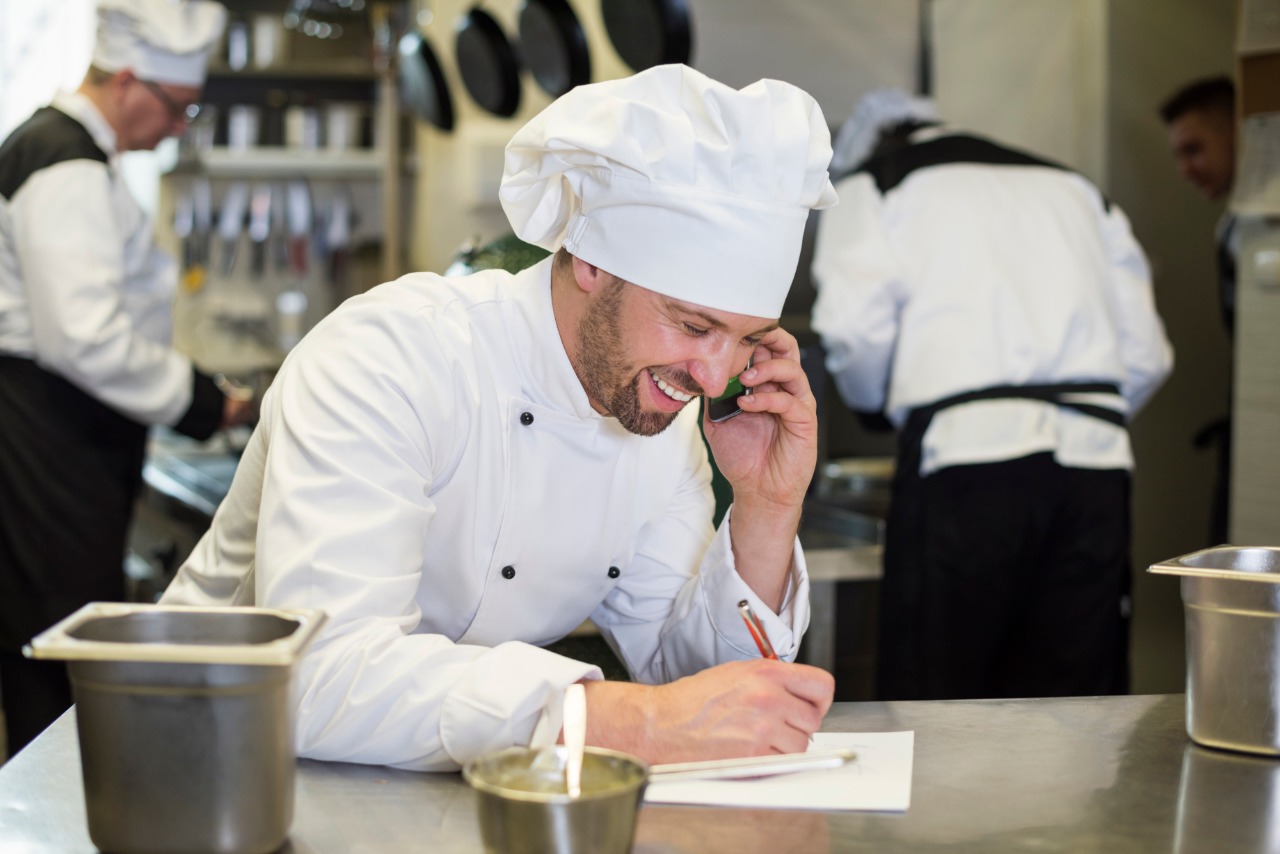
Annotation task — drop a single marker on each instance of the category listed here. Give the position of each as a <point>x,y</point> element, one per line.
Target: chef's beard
<point>602,369</point>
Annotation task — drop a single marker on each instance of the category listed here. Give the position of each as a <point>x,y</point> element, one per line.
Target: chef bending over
<point>460,471</point>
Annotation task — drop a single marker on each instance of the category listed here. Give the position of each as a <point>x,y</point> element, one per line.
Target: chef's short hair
<point>1212,94</point>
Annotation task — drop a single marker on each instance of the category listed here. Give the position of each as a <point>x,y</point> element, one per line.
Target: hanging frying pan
<point>487,63</point>
<point>554,45</point>
<point>649,32</point>
<point>423,89</point>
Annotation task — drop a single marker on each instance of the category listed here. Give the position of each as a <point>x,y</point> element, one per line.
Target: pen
<point>757,630</point>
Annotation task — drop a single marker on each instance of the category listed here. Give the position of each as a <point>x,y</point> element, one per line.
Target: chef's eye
<point>695,331</point>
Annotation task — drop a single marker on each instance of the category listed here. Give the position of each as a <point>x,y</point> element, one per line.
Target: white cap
<point>676,183</point>
<point>878,110</point>
<point>167,41</point>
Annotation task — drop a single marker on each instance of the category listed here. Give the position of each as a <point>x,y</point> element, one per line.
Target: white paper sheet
<point>878,779</point>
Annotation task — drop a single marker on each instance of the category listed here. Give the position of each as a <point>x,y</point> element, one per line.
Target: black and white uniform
<point>85,366</point>
<point>999,311</point>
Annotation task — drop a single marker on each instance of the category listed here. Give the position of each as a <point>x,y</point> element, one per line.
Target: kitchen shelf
<point>336,69</point>
<point>276,162</point>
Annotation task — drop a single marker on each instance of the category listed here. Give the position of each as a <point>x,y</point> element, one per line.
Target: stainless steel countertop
<point>1070,775</point>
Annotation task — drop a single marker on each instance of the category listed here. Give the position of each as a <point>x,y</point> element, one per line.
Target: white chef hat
<point>675,182</point>
<point>877,110</point>
<point>167,41</point>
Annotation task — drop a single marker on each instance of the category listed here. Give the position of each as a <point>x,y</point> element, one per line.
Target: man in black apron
<point>85,362</point>
<point>1201,122</point>
<point>998,310</point>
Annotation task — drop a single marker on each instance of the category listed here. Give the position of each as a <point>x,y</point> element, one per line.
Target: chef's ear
<point>589,277</point>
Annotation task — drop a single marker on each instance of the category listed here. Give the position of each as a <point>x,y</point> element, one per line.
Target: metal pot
<point>183,716</point>
<point>524,807</point>
<point>1231,597</point>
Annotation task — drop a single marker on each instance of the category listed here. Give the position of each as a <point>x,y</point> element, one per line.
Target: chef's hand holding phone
<point>767,455</point>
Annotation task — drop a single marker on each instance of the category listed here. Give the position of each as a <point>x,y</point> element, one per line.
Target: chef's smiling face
<point>642,357</point>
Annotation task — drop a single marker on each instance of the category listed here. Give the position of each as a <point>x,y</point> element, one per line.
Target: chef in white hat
<point>85,361</point>
<point>461,471</point>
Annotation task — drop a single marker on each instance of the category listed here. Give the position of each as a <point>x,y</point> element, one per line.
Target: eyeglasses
<point>177,112</point>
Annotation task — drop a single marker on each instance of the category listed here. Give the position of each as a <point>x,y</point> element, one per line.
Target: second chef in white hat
<point>461,471</point>
<point>85,361</point>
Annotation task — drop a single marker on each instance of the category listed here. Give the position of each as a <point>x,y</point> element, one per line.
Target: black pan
<point>554,45</point>
<point>487,63</point>
<point>423,89</point>
<point>649,32</point>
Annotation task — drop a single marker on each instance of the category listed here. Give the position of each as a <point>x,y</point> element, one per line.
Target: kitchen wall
<point>1154,46</point>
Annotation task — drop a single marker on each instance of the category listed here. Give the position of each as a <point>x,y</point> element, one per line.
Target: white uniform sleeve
<point>342,527</point>
<point>71,248</point>
<point>860,294</point>
<point>1145,351</point>
<point>665,624</point>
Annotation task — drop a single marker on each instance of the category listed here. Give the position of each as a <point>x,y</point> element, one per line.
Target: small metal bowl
<point>524,807</point>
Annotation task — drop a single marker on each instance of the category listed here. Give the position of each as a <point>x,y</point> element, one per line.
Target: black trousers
<point>70,469</point>
<point>1006,580</point>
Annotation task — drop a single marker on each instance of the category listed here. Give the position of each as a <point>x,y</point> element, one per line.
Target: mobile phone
<point>726,406</point>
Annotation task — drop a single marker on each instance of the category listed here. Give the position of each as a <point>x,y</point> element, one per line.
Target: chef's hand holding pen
<point>768,455</point>
<point>740,708</point>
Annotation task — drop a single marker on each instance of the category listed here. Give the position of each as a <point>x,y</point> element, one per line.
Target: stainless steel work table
<point>1071,775</point>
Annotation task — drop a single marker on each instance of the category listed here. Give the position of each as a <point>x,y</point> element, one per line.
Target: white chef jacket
<point>429,471</point>
<point>964,276</point>
<point>84,291</point>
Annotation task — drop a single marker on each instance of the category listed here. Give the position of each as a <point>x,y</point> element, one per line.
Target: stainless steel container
<point>524,807</point>
<point>1231,597</point>
<point>183,715</point>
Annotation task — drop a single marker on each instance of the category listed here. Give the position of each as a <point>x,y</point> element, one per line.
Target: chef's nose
<point>713,372</point>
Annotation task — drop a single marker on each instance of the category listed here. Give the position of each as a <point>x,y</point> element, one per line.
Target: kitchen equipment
<point>575,737</point>
<point>291,312</point>
<point>1231,598</point>
<point>861,484</point>
<point>269,41</point>
<point>751,767</point>
<point>302,127</point>
<point>487,63</point>
<point>554,45</point>
<point>183,715</point>
<point>231,221</point>
<point>342,122</point>
<point>259,228</point>
<point>244,126</point>
<point>299,218</point>
<point>423,87</point>
<point>649,32</point>
<point>524,808</point>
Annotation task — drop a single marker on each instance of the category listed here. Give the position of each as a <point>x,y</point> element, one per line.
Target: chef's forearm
<point>763,539</point>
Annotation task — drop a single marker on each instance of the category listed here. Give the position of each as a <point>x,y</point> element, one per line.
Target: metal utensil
<point>575,737</point>
<point>752,766</point>
<point>235,205</point>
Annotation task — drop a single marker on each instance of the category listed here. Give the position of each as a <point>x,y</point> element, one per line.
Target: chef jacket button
<point>614,572</point>
<point>508,572</point>
<point>526,418</point>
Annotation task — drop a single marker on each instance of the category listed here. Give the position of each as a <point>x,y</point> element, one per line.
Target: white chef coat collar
<point>80,108</point>
<point>550,379</point>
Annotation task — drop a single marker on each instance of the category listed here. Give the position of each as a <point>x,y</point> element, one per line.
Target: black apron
<point>903,667</point>
<point>70,470</point>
